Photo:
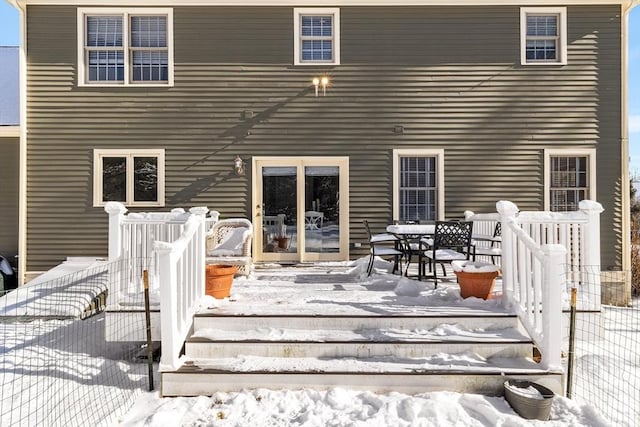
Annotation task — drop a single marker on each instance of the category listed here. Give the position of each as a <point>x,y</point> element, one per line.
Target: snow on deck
<point>66,290</point>
<point>344,289</point>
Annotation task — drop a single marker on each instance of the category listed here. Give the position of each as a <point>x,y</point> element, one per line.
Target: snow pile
<point>339,407</point>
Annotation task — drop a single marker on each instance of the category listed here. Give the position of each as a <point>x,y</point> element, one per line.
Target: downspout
<point>22,203</point>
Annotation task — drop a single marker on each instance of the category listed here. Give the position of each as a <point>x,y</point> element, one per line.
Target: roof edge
<point>320,3</point>
<point>10,131</point>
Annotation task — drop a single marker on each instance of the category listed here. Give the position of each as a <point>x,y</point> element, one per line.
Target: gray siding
<point>9,177</point>
<point>449,75</point>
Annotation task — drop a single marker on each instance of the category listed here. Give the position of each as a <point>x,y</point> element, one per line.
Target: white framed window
<point>316,36</point>
<point>418,184</point>
<point>133,177</point>
<point>570,177</point>
<point>543,35</point>
<point>131,46</point>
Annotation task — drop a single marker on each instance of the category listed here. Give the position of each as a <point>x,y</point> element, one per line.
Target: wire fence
<point>606,373</point>
<point>62,358</point>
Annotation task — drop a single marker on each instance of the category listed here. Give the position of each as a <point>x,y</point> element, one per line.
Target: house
<point>286,112</point>
<point>9,152</point>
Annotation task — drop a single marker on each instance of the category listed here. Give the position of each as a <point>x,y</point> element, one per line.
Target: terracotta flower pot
<point>282,242</point>
<point>219,280</point>
<point>479,285</point>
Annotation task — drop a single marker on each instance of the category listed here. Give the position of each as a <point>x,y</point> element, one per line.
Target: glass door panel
<point>279,209</point>
<point>322,210</point>
<point>301,209</point>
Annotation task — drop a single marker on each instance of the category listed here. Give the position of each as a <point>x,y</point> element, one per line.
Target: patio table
<point>412,233</point>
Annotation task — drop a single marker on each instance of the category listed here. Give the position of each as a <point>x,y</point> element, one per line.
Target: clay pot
<point>219,280</point>
<point>479,285</point>
<point>282,242</point>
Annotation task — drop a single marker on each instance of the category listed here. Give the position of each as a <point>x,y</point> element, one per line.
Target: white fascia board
<point>321,3</point>
<point>9,131</point>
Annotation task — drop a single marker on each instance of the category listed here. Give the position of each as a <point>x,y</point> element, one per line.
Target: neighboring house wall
<point>9,197</point>
<point>450,75</point>
<point>9,151</point>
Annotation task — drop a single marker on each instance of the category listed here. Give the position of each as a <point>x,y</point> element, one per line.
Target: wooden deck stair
<point>409,353</point>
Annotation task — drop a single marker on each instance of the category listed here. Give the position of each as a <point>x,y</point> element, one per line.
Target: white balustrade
<point>544,253</point>
<point>181,273</point>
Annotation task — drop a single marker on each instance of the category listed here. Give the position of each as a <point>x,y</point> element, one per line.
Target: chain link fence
<point>606,369</point>
<point>57,367</point>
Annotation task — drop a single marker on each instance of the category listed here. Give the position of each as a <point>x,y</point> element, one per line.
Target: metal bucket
<point>530,400</point>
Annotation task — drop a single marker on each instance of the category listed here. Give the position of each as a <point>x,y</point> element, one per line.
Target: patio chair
<point>229,242</point>
<point>451,242</point>
<point>488,247</point>
<point>379,247</point>
<point>487,236</point>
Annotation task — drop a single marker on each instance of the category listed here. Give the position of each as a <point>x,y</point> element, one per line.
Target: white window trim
<point>418,152</point>
<point>297,12</point>
<point>590,153</point>
<point>562,43</point>
<point>126,12</point>
<point>98,154</point>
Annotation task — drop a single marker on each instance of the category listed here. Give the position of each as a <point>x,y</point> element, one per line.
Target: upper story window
<point>316,36</point>
<point>418,185</point>
<point>125,47</point>
<point>570,178</point>
<point>543,35</point>
<point>133,177</point>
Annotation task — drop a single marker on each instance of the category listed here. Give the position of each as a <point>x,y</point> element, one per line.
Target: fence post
<point>116,211</point>
<point>508,212</point>
<point>168,281</point>
<point>200,254</point>
<point>554,258</point>
<point>592,250</point>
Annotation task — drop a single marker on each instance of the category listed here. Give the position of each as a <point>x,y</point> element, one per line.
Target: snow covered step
<point>466,373</point>
<point>444,338</point>
<point>203,348</point>
<point>210,320</point>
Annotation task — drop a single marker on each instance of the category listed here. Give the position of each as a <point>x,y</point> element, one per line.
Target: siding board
<point>450,75</point>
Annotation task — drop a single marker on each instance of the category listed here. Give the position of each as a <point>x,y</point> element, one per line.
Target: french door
<point>301,209</point>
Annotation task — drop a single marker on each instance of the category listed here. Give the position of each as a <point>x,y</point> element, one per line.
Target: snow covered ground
<point>79,385</point>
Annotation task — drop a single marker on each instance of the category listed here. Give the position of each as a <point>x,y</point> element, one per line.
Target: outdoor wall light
<point>238,166</point>
<point>324,81</point>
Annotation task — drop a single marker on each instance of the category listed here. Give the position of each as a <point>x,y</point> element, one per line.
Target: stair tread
<point>463,363</point>
<point>442,334</point>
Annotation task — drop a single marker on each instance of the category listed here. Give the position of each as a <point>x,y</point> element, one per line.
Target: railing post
<point>168,281</point>
<point>554,256</point>
<point>200,254</point>
<point>508,212</point>
<point>116,211</point>
<point>592,250</point>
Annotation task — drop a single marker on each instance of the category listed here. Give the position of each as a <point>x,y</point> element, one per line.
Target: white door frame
<point>256,206</point>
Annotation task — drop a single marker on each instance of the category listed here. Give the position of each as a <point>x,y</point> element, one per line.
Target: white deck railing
<point>543,253</point>
<point>174,245</point>
<point>181,273</point>
<point>132,236</point>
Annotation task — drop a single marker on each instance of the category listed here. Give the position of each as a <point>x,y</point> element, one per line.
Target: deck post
<point>200,211</point>
<point>168,280</point>
<point>592,251</point>
<point>116,211</point>
<point>554,256</point>
<point>508,212</point>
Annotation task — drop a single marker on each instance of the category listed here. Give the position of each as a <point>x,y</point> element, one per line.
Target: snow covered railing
<point>532,278</point>
<point>579,233</point>
<point>181,275</point>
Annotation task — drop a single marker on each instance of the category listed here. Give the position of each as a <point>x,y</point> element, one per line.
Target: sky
<point>10,36</point>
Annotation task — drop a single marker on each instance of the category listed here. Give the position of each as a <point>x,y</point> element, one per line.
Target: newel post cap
<point>199,210</point>
<point>507,208</point>
<point>590,207</point>
<point>114,208</point>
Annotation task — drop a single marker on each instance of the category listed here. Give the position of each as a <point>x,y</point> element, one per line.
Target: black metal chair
<point>488,247</point>
<point>451,242</point>
<point>379,245</point>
